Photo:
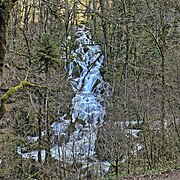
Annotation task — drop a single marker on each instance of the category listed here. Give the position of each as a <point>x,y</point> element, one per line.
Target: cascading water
<point>87,105</point>
<point>88,102</point>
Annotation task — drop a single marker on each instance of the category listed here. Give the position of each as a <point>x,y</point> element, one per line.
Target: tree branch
<point>11,91</point>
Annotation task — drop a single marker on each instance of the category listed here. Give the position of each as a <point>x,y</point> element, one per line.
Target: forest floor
<point>168,175</point>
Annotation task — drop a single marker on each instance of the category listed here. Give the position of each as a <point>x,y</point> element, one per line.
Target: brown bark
<point>5,9</point>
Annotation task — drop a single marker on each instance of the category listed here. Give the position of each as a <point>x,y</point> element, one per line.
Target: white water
<point>87,104</point>
<point>88,59</point>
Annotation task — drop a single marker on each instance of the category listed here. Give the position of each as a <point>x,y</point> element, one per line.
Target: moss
<point>10,92</point>
<point>26,83</point>
<point>3,110</point>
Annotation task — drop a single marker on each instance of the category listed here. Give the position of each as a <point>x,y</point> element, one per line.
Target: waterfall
<point>73,140</point>
<point>88,59</point>
<point>88,104</point>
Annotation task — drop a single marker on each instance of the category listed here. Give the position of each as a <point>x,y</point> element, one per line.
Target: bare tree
<point>5,9</point>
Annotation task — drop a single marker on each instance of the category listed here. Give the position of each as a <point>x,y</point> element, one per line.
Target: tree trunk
<point>4,16</point>
<point>116,167</point>
<point>5,8</point>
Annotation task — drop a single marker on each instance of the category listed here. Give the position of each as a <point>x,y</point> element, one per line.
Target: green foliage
<point>47,52</point>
